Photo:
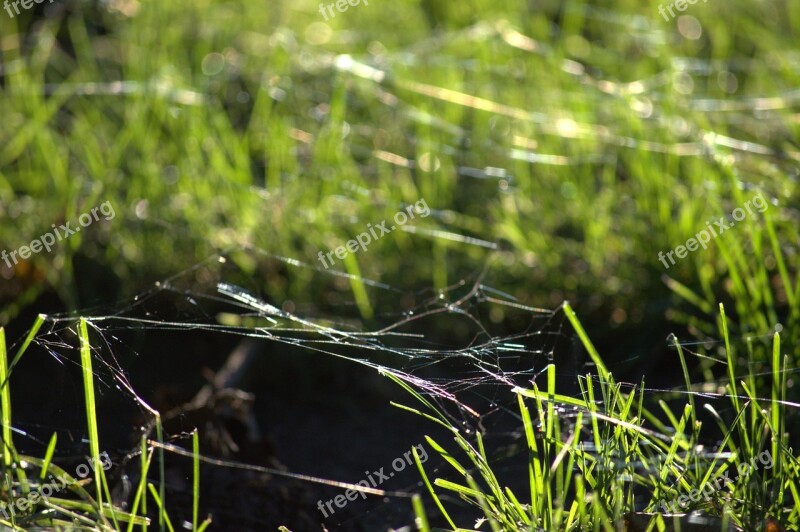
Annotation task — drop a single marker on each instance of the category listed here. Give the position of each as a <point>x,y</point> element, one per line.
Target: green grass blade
<point>161,510</point>
<point>576,324</point>
<point>48,456</point>
<point>37,324</point>
<point>5,401</point>
<point>686,377</point>
<point>196,478</point>
<point>141,491</point>
<point>421,519</point>
<point>91,407</point>
<point>430,487</point>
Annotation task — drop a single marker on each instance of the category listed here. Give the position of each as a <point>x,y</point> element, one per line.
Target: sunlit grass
<point>597,463</point>
<point>76,508</point>
<point>581,139</point>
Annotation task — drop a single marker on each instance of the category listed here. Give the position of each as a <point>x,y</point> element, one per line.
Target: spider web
<point>448,346</point>
<point>465,349</point>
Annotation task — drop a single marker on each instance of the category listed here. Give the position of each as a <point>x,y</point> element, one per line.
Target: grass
<point>600,464</point>
<point>580,137</point>
<point>83,511</point>
<point>595,460</point>
<point>597,163</point>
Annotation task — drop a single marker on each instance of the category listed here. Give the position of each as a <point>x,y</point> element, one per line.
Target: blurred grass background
<point>580,137</point>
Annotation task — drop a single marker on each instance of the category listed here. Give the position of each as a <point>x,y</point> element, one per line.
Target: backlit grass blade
<point>91,406</point>
<point>91,415</point>
<point>776,409</point>
<point>576,324</point>
<point>534,465</point>
<point>161,510</point>
<point>48,456</point>
<point>421,519</point>
<point>37,324</point>
<point>732,365</point>
<point>5,401</point>
<point>196,478</point>
<point>430,487</point>
<point>677,345</point>
<point>140,495</point>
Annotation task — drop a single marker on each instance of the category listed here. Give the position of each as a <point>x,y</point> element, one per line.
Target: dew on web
<point>445,348</point>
